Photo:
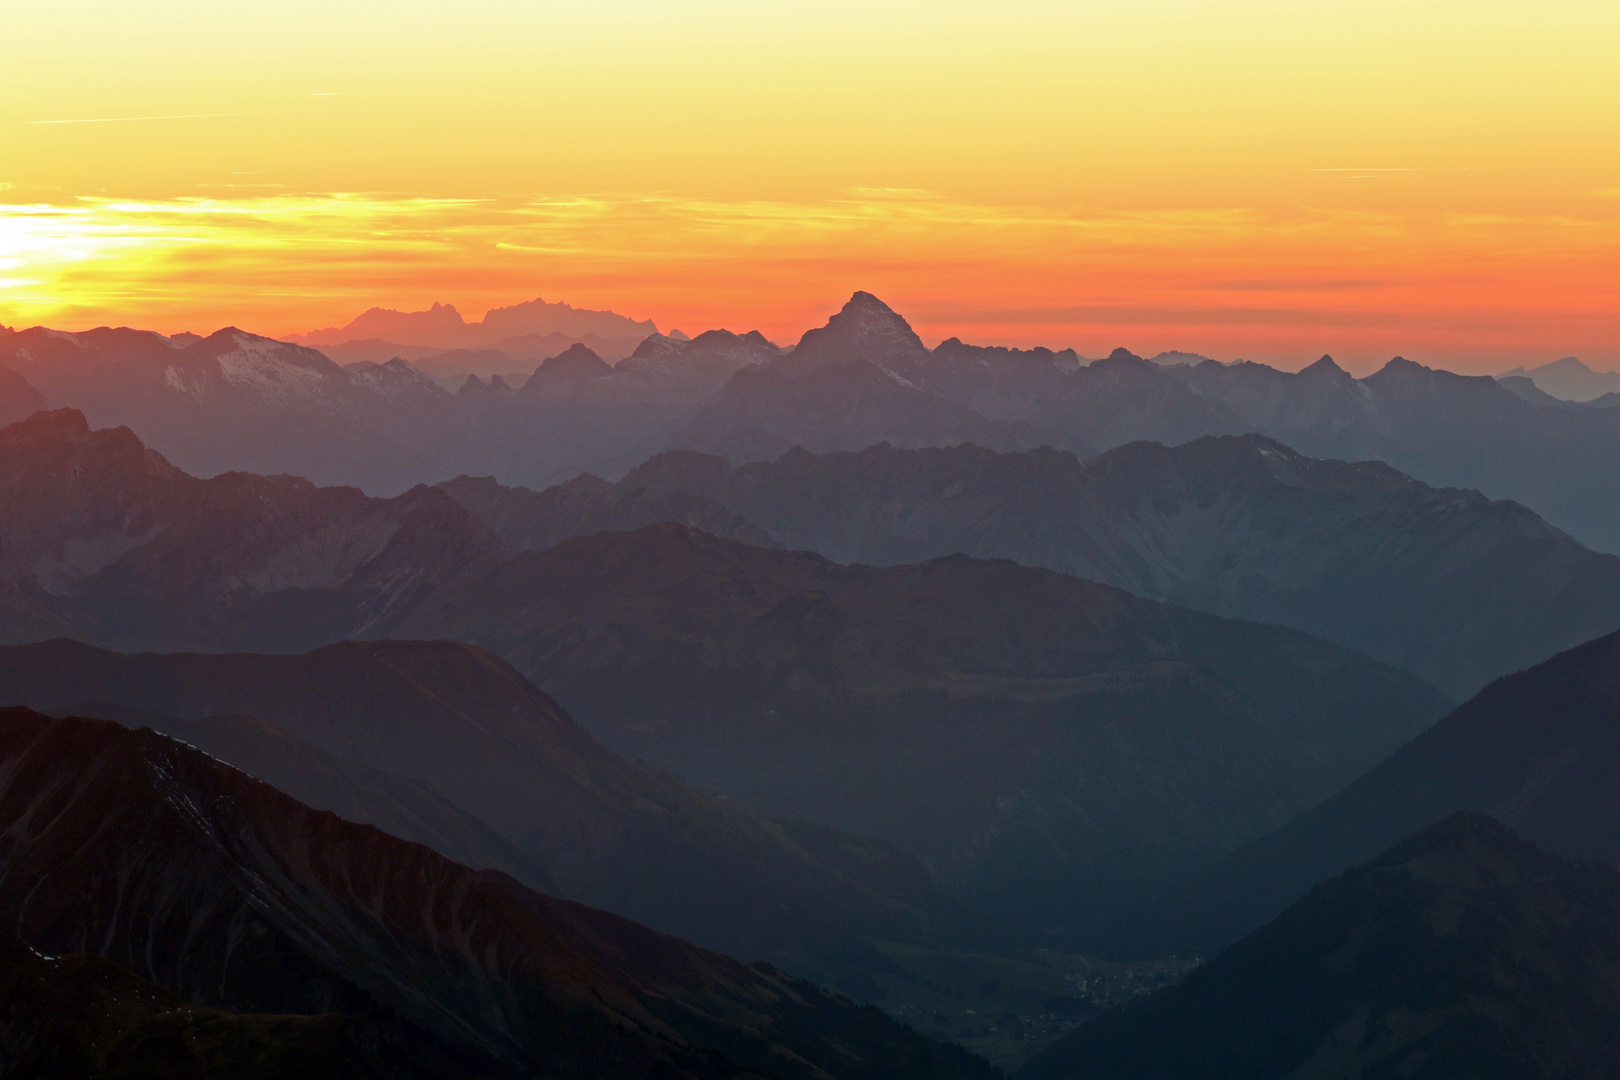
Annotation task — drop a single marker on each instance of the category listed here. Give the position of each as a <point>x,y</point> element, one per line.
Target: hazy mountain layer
<point>1462,952</point>
<point>1445,429</point>
<point>443,327</point>
<point>1568,379</point>
<point>1045,743</point>
<point>510,782</point>
<point>109,543</point>
<point>105,540</point>
<point>1539,750</point>
<point>1447,583</point>
<point>233,895</point>
<point>236,401</point>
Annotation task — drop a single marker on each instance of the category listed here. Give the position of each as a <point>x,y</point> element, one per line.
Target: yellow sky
<point>1265,179</point>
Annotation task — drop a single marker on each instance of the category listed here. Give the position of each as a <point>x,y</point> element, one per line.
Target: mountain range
<point>446,344</point>
<point>1447,583</point>
<point>1104,729</point>
<point>1568,379</point>
<point>1463,951</point>
<point>1047,745</point>
<point>236,897</point>
<point>234,401</point>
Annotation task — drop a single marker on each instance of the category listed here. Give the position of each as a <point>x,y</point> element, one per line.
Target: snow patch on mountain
<point>266,367</point>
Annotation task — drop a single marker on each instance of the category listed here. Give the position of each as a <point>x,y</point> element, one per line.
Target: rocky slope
<point>1044,742</point>
<point>446,744</point>
<point>1462,951</point>
<point>1445,582</point>
<point>232,895</point>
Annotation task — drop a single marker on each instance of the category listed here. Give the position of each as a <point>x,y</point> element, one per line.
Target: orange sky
<point>1270,180</point>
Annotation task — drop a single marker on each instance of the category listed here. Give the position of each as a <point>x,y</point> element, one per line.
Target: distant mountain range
<point>1138,740</point>
<point>1462,951</point>
<point>1447,583</point>
<point>237,402</point>
<point>233,896</point>
<point>1568,379</point>
<point>444,343</point>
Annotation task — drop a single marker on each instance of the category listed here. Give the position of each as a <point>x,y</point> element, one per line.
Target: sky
<point>1265,179</point>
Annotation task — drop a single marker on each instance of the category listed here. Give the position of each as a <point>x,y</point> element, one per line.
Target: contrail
<point>121,119</point>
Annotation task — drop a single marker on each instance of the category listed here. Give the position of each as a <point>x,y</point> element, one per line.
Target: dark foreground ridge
<point>234,896</point>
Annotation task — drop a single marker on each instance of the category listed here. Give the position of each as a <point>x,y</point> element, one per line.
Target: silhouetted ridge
<point>1325,367</point>
<point>577,362</point>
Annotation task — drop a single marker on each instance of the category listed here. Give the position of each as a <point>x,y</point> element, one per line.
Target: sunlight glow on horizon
<point>1263,179</point>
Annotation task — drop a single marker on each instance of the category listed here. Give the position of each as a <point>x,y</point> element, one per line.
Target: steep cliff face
<point>231,894</point>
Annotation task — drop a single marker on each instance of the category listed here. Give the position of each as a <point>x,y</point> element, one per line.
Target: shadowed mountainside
<point>1447,583</point>
<point>509,778</point>
<point>1102,731</point>
<point>1044,742</point>
<point>1539,750</point>
<point>1462,952</point>
<point>233,895</point>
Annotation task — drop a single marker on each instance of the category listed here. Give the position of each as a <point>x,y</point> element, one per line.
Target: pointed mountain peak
<point>1325,366</point>
<point>1570,364</point>
<point>864,329</point>
<point>656,345</point>
<point>862,300</point>
<point>1400,365</point>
